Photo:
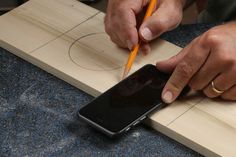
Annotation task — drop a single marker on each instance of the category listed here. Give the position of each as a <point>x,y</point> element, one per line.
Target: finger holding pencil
<point>134,52</point>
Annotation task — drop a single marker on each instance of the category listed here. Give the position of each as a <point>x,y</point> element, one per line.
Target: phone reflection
<point>139,90</point>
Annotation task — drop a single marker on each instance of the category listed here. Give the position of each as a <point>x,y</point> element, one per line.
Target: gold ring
<point>215,89</point>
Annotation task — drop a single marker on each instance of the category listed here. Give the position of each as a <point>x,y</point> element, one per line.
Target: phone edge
<point>97,126</point>
<point>112,134</point>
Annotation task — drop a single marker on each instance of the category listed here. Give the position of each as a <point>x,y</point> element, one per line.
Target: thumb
<point>167,17</point>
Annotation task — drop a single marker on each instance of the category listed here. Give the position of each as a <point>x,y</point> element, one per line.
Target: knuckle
<point>111,34</point>
<point>184,70</point>
<point>114,25</point>
<point>114,33</point>
<point>212,37</point>
<point>109,27</point>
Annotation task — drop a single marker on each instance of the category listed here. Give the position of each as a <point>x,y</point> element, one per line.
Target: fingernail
<point>146,34</point>
<point>130,45</point>
<point>168,97</point>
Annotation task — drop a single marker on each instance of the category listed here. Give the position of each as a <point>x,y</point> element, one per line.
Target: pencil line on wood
<point>184,112</point>
<point>65,32</point>
<point>83,67</point>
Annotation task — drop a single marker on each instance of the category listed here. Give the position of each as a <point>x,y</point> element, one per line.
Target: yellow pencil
<point>134,52</point>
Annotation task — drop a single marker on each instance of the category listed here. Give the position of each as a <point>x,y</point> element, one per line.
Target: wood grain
<point>67,38</point>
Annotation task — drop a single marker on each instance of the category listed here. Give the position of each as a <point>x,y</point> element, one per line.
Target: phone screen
<point>128,100</point>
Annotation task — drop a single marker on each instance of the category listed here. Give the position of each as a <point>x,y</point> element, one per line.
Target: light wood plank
<point>208,128</point>
<point>37,22</point>
<point>67,39</point>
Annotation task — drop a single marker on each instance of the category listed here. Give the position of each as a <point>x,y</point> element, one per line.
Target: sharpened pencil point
<point>126,71</point>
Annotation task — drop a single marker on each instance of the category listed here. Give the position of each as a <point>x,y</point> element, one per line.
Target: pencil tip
<point>125,74</point>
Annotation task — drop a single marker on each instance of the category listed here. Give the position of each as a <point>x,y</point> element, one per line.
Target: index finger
<point>195,57</point>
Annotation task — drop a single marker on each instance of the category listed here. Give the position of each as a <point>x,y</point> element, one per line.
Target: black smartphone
<point>127,103</point>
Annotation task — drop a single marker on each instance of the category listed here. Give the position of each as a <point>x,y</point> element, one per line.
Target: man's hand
<point>210,57</point>
<point>123,18</point>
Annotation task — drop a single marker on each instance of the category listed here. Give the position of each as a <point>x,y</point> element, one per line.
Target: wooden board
<point>67,39</point>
